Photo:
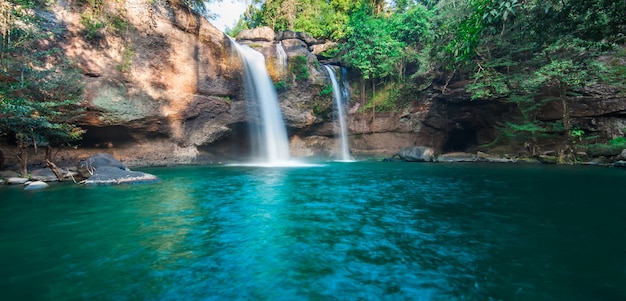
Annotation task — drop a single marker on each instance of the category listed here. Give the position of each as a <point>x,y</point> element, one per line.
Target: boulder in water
<point>87,167</point>
<point>620,163</point>
<point>107,175</point>
<point>457,157</point>
<point>484,157</point>
<point>43,174</point>
<point>35,185</point>
<point>417,154</point>
<point>16,180</point>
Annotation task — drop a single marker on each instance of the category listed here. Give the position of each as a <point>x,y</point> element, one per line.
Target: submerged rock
<point>107,175</point>
<point>35,185</point>
<point>417,154</point>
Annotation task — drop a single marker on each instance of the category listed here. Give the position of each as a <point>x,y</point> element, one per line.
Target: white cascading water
<point>281,56</point>
<point>338,97</point>
<point>272,140</point>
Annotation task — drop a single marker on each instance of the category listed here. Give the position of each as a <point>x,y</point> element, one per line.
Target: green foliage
<point>618,141</point>
<point>330,52</point>
<point>127,58</point>
<point>299,66</point>
<point>92,25</point>
<point>326,91</point>
<point>318,18</point>
<point>378,54</point>
<point>280,85</point>
<point>577,133</point>
<point>39,88</point>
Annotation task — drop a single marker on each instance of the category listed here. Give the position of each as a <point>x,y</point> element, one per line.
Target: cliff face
<point>167,88</point>
<point>159,88</point>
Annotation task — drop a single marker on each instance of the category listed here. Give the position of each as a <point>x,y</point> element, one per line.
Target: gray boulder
<point>621,164</point>
<point>87,167</point>
<point>257,34</point>
<point>417,154</point>
<point>5,174</point>
<point>35,185</point>
<point>484,157</point>
<point>43,174</point>
<point>457,157</point>
<point>16,181</point>
<point>107,175</point>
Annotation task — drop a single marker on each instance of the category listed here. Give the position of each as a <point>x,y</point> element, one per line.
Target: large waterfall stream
<point>271,136</point>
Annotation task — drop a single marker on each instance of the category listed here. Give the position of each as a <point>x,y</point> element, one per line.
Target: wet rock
<point>605,150</point>
<point>621,164</point>
<point>484,157</point>
<point>35,185</point>
<point>5,174</point>
<point>527,161</point>
<point>43,174</point>
<point>417,154</point>
<point>88,166</point>
<point>457,157</point>
<point>107,175</point>
<point>547,159</point>
<point>622,156</point>
<point>16,180</point>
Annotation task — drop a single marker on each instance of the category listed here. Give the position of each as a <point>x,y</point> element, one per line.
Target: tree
<point>39,88</point>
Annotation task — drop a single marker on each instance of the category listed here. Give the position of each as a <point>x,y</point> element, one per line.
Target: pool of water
<point>333,231</point>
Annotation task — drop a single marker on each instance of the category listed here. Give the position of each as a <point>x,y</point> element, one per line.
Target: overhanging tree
<point>39,88</point>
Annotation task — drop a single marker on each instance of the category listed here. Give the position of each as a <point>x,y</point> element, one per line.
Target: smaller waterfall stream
<point>338,97</point>
<point>281,56</point>
<point>272,137</point>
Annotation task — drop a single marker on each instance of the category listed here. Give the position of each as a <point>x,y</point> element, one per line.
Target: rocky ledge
<point>98,169</point>
<point>103,169</point>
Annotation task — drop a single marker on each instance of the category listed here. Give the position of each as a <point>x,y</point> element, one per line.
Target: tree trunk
<point>566,154</point>
<point>22,159</point>
<point>373,103</point>
<point>567,125</point>
<point>54,169</point>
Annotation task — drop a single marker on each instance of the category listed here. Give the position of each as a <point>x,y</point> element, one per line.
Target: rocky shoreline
<point>104,169</point>
<point>427,154</point>
<point>98,169</point>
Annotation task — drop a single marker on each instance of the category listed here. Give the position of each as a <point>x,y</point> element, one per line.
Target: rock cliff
<point>166,88</point>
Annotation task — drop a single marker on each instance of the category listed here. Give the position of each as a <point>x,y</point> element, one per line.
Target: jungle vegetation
<point>522,52</point>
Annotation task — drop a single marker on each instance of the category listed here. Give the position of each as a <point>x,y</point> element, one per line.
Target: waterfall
<point>281,56</point>
<point>338,97</point>
<point>271,137</point>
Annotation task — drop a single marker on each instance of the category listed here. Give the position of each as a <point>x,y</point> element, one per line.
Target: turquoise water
<point>340,231</point>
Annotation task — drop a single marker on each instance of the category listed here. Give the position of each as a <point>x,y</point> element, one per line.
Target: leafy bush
<point>92,26</point>
<point>326,90</point>
<point>280,85</point>
<point>618,141</point>
<point>300,67</point>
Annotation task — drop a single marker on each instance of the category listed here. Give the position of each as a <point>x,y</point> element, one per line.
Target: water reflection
<point>341,231</point>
